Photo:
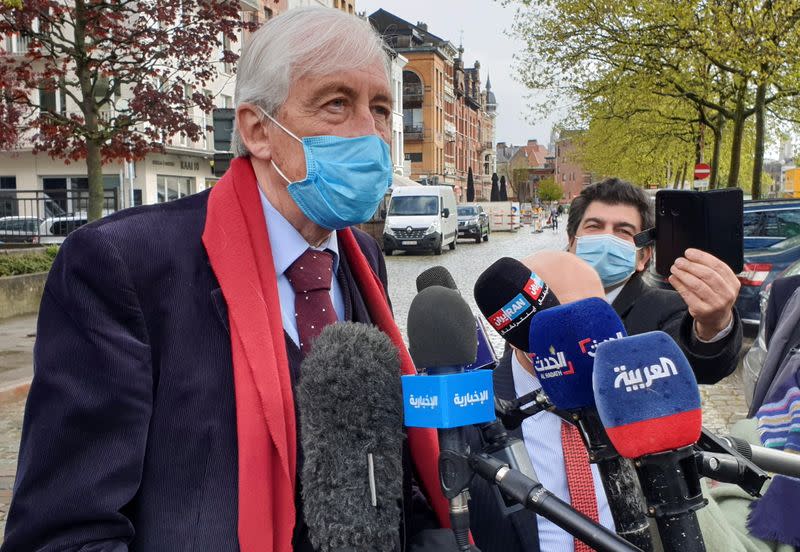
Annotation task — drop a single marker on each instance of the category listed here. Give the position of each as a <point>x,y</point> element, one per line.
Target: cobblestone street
<point>723,403</point>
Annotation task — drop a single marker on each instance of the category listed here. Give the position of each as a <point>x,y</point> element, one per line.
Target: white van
<point>421,218</point>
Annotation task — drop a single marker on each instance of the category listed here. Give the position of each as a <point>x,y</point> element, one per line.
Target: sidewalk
<point>17,336</point>
<point>16,369</point>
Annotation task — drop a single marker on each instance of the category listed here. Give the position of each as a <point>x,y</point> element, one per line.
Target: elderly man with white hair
<point>162,414</point>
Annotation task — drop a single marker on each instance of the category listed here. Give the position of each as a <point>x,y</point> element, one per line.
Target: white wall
<point>398,154</point>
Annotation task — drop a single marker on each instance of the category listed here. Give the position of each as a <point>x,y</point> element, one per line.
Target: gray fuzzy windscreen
<point>441,329</point>
<point>350,404</point>
<point>435,276</point>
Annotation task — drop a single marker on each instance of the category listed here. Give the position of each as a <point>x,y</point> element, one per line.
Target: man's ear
<point>253,130</point>
<point>643,257</point>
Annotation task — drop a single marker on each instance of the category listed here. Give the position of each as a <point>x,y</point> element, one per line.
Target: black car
<point>473,222</point>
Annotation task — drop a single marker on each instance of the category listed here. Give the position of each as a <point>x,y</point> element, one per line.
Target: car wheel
<point>486,237</point>
<point>453,245</point>
<point>438,249</point>
<point>388,252</point>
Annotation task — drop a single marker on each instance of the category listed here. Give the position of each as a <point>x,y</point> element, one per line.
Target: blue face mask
<point>613,258</point>
<point>346,178</point>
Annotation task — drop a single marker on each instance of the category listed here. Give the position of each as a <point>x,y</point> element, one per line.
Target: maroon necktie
<point>310,276</point>
<point>579,478</point>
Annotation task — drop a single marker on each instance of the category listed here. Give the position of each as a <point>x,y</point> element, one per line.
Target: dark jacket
<point>642,309</point>
<point>129,438</point>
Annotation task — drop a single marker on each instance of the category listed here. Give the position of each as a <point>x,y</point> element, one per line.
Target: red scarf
<point>235,237</point>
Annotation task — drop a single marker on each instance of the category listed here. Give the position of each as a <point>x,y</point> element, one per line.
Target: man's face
<point>621,220</point>
<point>348,104</point>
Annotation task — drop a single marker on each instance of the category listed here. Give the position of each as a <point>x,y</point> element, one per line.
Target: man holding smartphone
<point>699,314</point>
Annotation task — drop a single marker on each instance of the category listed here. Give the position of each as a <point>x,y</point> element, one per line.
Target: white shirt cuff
<point>721,335</point>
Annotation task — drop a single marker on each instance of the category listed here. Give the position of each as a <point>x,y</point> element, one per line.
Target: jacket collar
<point>627,297</point>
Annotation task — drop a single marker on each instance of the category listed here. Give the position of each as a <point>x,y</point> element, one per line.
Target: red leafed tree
<point>128,74</point>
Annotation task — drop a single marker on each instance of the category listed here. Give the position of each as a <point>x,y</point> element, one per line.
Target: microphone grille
<point>436,276</point>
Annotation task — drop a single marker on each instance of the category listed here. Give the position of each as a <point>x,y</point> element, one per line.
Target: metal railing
<point>47,216</point>
<point>413,132</point>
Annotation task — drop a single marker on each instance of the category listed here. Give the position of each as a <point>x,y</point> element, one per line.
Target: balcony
<point>449,129</point>
<point>487,145</point>
<point>413,132</point>
<point>412,94</point>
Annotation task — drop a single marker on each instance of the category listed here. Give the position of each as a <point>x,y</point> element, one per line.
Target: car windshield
<point>467,211</point>
<point>414,205</point>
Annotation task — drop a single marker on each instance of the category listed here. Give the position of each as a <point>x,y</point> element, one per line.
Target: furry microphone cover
<point>350,404</point>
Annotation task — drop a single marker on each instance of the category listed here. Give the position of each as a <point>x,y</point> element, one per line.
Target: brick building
<point>448,117</point>
<point>568,171</point>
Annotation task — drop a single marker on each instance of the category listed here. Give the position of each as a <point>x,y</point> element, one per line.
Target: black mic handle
<point>671,486</point>
<point>627,508</point>
<point>536,498</point>
<point>625,499</point>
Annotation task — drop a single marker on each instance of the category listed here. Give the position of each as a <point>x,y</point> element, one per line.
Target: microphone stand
<point>530,493</point>
<point>671,485</point>
<point>627,508</point>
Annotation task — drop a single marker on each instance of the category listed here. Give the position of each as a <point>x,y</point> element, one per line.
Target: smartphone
<point>710,221</point>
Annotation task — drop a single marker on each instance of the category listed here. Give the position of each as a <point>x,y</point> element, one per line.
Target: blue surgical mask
<point>613,258</point>
<point>346,178</point>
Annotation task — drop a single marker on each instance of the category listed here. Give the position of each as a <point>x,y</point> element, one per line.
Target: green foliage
<point>550,190</point>
<point>642,77</point>
<point>28,263</point>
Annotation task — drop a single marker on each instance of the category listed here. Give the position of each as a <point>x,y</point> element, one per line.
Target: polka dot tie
<point>579,477</point>
<point>310,276</point>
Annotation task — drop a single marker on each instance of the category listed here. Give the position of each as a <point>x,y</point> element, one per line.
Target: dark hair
<point>614,192</point>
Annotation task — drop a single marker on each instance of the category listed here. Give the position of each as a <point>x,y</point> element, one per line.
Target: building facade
<point>448,117</point>
<point>398,151</point>
<point>569,173</point>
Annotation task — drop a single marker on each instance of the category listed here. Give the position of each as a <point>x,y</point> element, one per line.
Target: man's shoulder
<point>369,246</point>
<point>164,223</point>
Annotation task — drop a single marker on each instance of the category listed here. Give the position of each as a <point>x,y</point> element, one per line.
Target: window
<point>414,157</point>
<point>137,197</point>
<point>414,205</point>
<point>772,224</point>
<point>8,182</point>
<point>170,188</point>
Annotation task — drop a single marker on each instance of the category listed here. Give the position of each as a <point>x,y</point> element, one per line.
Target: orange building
<point>448,121</point>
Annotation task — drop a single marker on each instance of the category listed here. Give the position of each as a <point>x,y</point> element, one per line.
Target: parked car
<point>55,230</point>
<point>755,357</point>
<point>761,266</point>
<point>421,218</point>
<point>473,222</point>
<point>768,222</point>
<point>19,229</point>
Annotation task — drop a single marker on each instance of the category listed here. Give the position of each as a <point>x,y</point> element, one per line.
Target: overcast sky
<point>486,27</point>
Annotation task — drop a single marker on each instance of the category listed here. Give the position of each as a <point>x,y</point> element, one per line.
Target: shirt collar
<point>287,243</point>
<point>614,293</point>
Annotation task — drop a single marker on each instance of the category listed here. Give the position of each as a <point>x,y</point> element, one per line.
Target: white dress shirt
<point>287,245</point>
<point>542,435</point>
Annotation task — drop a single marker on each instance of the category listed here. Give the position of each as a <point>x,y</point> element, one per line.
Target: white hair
<point>306,41</point>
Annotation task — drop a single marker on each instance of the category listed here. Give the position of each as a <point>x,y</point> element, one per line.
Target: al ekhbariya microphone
<point>351,437</point>
<point>647,397</point>
<point>562,342</point>
<point>443,343</point>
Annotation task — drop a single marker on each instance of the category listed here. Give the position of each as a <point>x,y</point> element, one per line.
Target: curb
<point>14,390</point>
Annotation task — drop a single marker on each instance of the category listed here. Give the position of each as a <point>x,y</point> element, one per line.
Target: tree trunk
<point>738,135</point>
<point>94,159</point>
<point>683,175</point>
<point>94,169</point>
<point>758,158</point>
<point>719,132</point>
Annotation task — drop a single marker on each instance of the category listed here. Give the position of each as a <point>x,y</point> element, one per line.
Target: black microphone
<point>351,438</point>
<point>486,358</point>
<point>776,461</point>
<point>442,342</point>
<point>509,295</point>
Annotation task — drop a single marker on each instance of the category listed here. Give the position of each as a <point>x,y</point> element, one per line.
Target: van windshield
<point>414,205</point>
